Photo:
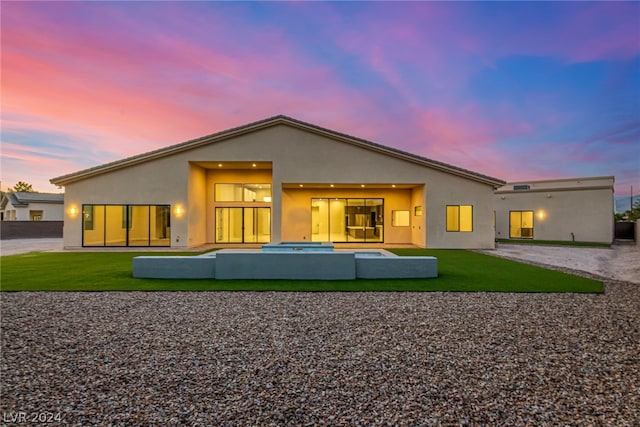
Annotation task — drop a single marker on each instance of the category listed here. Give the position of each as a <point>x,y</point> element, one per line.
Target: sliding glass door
<point>126,225</point>
<point>243,225</point>
<point>521,224</point>
<point>347,220</point>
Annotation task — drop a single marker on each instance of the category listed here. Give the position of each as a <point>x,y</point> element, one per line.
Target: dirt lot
<point>620,262</point>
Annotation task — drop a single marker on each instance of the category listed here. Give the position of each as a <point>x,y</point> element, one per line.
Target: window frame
<point>88,213</point>
<point>458,229</point>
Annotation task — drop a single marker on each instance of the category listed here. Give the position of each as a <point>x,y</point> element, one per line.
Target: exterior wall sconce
<point>179,211</point>
<point>542,215</point>
<point>73,211</point>
<point>548,196</point>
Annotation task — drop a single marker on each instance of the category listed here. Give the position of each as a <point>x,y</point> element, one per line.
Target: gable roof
<point>23,198</point>
<point>269,122</point>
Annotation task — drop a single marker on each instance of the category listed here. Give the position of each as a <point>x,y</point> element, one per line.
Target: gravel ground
<point>268,358</point>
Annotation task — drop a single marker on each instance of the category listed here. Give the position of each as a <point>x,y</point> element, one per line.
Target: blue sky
<point>519,91</point>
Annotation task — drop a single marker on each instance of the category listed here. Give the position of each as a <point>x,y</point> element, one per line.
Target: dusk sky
<point>518,91</point>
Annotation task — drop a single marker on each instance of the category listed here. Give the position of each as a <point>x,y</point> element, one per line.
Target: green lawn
<point>459,270</point>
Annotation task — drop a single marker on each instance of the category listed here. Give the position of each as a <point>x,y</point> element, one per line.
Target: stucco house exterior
<point>579,209</point>
<point>32,206</point>
<point>278,179</point>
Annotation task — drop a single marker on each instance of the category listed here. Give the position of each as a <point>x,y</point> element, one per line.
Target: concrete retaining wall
<point>243,264</point>
<point>405,267</point>
<point>282,265</point>
<point>174,267</point>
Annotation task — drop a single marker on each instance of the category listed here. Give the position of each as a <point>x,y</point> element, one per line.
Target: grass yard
<point>459,271</point>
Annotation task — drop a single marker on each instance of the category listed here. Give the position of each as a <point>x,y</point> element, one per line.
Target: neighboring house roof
<point>23,198</point>
<point>272,121</point>
<point>565,184</point>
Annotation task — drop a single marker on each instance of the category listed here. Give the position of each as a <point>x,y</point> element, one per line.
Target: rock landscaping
<point>227,358</point>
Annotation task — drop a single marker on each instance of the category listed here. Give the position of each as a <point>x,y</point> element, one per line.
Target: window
<point>459,218</point>
<point>126,225</point>
<point>35,215</point>
<point>417,211</point>
<point>521,224</point>
<point>400,218</point>
<point>242,193</point>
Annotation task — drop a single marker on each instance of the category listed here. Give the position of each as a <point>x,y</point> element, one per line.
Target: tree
<point>634,213</point>
<point>23,186</point>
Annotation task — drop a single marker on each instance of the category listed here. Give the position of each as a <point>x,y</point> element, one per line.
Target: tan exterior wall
<point>296,205</point>
<point>157,182</point>
<point>583,207</point>
<point>183,180</point>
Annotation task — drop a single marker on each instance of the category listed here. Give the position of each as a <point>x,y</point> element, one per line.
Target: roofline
<point>552,189</point>
<point>586,178</point>
<point>265,123</point>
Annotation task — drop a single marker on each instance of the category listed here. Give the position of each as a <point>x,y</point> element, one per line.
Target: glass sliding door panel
<point>115,225</point>
<point>160,227</point>
<point>222,225</point>
<point>337,220</point>
<point>527,225</point>
<point>320,220</point>
<point>263,219</point>
<point>235,225</point>
<point>515,221</point>
<point>374,209</point>
<point>93,225</point>
<point>355,217</point>
<point>250,225</point>
<point>228,225</point>
<point>138,225</point>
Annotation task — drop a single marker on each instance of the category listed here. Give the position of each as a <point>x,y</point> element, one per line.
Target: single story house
<point>580,209</point>
<point>278,179</point>
<point>32,206</point>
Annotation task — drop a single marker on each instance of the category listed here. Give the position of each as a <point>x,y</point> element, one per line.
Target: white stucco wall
<point>583,206</point>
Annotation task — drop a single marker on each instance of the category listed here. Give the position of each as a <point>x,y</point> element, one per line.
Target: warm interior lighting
<point>267,199</point>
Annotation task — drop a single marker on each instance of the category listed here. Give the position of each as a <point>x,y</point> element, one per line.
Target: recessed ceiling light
<point>393,185</point>
<point>361,185</point>
<point>301,185</point>
<point>253,165</point>
<point>332,185</point>
<point>219,165</point>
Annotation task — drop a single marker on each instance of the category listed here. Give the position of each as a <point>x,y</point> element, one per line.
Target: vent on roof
<point>521,187</point>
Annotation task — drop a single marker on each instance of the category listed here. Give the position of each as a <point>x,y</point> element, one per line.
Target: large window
<point>521,224</point>
<point>347,220</point>
<point>243,192</point>
<point>126,225</point>
<point>459,218</point>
